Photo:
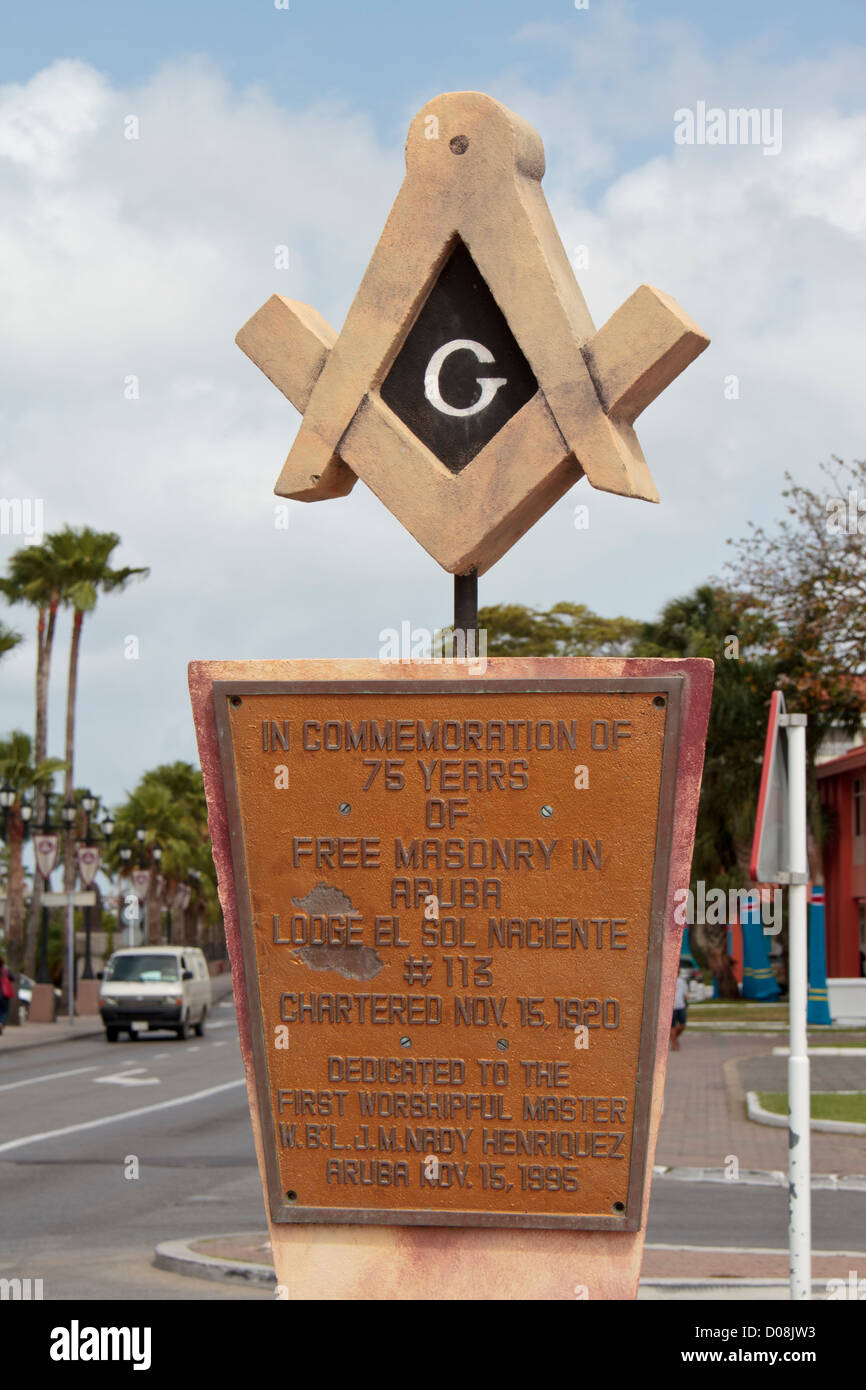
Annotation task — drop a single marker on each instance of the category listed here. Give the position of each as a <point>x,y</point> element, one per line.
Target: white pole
<point>799,1161</point>
<point>70,932</point>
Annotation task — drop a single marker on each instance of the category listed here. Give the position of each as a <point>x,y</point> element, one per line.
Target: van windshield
<point>144,969</point>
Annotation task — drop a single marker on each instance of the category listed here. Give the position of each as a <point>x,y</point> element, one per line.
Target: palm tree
<point>82,558</point>
<point>8,639</point>
<point>33,578</point>
<point>18,771</point>
<point>169,804</point>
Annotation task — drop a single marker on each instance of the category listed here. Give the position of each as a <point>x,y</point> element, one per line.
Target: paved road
<point>733,1214</point>
<point>69,1213</point>
<point>75,1118</point>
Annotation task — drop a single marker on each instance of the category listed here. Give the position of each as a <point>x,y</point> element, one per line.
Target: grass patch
<point>739,1011</point>
<point>825,1105</point>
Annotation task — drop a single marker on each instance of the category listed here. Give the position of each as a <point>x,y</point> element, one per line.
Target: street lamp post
<point>156,854</point>
<point>88,802</point>
<point>125,856</point>
<point>69,814</point>
<point>43,976</point>
<point>25,811</point>
<point>195,876</point>
<point>141,835</point>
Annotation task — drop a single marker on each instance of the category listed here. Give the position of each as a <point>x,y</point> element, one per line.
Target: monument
<point>448,895</point>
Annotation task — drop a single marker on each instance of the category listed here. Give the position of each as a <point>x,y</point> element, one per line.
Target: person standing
<point>678,1022</point>
<point>7,993</point>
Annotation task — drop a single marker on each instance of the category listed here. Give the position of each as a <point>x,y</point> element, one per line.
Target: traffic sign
<point>83,898</point>
<point>771,860</point>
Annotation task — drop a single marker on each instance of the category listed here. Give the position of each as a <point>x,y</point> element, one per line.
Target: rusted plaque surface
<point>452,898</point>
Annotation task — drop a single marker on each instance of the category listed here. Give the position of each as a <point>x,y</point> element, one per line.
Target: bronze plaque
<point>451,900</point>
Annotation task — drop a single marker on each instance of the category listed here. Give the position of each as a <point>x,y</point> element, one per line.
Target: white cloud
<point>143,257</point>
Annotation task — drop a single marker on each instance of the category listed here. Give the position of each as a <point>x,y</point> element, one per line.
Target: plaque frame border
<point>283,1212</point>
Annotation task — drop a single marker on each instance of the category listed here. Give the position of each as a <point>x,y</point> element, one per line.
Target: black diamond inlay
<point>431,378</point>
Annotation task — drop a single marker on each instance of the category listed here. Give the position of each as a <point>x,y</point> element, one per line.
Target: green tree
<point>566,629</point>
<point>34,578</point>
<point>8,639</point>
<point>807,573</point>
<point>169,805</point>
<point>83,561</point>
<point>737,636</point>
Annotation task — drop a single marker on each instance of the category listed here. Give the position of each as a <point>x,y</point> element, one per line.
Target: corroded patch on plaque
<point>451,899</point>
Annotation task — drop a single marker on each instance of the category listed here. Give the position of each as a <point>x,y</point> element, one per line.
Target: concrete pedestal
<point>322,1261</point>
<point>87,997</point>
<point>43,1004</point>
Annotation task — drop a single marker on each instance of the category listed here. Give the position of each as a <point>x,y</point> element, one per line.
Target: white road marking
<point>223,1023</point>
<point>196,1048</point>
<point>157,1056</point>
<point>220,1044</point>
<point>131,1077</point>
<point>49,1076</point>
<point>755,1250</point>
<point>125,1115</point>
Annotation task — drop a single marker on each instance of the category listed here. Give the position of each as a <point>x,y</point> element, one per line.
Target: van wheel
<point>182,1032</point>
<point>111,1034</point>
<point>199,1027</point>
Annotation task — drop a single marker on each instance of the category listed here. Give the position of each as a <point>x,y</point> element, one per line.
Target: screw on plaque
<point>405,1042</point>
<point>345,808</point>
<point>547,812</point>
<point>502,1044</point>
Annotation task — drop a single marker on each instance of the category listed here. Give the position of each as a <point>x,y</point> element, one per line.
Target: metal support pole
<point>87,972</point>
<point>466,604</point>
<point>799,1155</point>
<point>43,976</point>
<point>70,955</point>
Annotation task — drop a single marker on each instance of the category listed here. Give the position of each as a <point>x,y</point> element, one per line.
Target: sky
<point>127,265</point>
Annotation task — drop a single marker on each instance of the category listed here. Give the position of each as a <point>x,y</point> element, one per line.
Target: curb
<point>824,1051</point>
<point>67,1035</point>
<point>178,1257</point>
<point>19,1042</point>
<point>762,1177</point>
<point>782,1286</point>
<point>761,1116</point>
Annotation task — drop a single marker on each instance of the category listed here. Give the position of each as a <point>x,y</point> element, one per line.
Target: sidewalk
<point>704,1116</point>
<point>83,1026</point>
<point>684,1272</point>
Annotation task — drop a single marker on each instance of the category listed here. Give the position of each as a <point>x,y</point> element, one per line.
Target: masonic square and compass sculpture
<point>469,341</point>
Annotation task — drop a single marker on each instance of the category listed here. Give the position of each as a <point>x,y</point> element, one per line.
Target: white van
<point>151,987</point>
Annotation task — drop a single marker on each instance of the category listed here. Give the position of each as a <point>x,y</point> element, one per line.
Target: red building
<point>842,787</point>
